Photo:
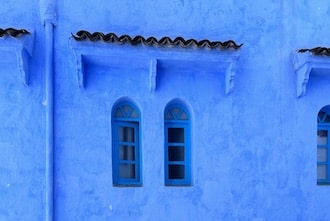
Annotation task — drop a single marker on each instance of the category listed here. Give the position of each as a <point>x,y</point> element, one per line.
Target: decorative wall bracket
<point>152,59</point>
<point>18,50</point>
<point>304,64</point>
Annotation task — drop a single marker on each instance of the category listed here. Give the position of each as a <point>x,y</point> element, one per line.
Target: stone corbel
<point>79,64</point>
<point>153,75</point>
<point>303,64</point>
<point>18,50</point>
<point>230,77</point>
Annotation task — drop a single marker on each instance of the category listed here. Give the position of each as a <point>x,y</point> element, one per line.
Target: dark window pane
<point>175,153</point>
<point>321,171</point>
<point>322,154</point>
<point>322,137</point>
<point>127,109</point>
<point>168,116</point>
<point>183,116</point>
<point>127,171</point>
<point>176,135</point>
<point>118,113</point>
<point>126,134</point>
<point>320,116</point>
<point>126,152</point>
<point>176,111</point>
<point>134,114</point>
<point>176,171</point>
<point>327,118</point>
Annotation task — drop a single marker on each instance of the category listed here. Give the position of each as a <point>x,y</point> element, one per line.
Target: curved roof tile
<point>317,51</point>
<point>152,41</point>
<point>16,33</point>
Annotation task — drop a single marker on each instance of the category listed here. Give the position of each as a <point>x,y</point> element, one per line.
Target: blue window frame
<point>126,148</point>
<point>177,146</point>
<point>323,142</point>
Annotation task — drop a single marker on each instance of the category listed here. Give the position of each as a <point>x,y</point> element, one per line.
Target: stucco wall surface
<point>22,177</point>
<point>253,150</point>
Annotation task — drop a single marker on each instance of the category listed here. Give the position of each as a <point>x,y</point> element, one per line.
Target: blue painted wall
<point>253,150</point>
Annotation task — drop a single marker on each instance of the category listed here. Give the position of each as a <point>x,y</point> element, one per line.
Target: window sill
<point>127,185</point>
<point>323,183</point>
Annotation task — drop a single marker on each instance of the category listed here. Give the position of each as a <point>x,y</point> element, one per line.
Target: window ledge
<point>304,62</point>
<point>323,183</point>
<point>17,50</point>
<point>152,58</point>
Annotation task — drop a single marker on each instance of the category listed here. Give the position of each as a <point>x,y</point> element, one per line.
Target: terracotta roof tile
<point>16,33</point>
<point>317,51</point>
<point>152,41</point>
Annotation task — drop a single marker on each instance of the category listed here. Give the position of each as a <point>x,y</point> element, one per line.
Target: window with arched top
<point>323,142</point>
<point>126,147</point>
<point>177,145</point>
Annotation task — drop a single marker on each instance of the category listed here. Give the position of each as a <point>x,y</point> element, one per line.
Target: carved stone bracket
<point>303,64</point>
<point>151,59</point>
<point>153,74</point>
<point>18,50</point>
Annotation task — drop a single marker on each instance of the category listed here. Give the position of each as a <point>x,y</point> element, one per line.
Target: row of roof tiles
<point>16,33</point>
<point>152,41</point>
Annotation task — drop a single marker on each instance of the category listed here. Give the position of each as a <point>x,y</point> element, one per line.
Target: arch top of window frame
<point>323,115</point>
<point>176,112</point>
<point>126,111</point>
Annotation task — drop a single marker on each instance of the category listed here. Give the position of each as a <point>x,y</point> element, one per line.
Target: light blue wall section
<point>22,179</point>
<point>253,150</point>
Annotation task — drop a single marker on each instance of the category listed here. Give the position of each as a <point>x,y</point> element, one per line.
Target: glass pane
<point>321,171</point>
<point>118,113</point>
<point>126,109</point>
<point>175,153</point>
<point>176,135</point>
<point>134,114</point>
<point>126,134</point>
<point>327,118</point>
<point>176,111</point>
<point>168,116</point>
<point>126,152</point>
<point>320,116</point>
<point>322,154</point>
<point>127,170</point>
<point>183,116</point>
<point>175,171</point>
<point>322,137</point>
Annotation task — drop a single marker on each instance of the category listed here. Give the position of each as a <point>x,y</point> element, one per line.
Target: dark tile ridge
<point>317,51</point>
<point>152,41</point>
<point>16,33</point>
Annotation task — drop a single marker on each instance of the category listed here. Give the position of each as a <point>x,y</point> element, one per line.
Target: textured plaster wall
<point>22,128</point>
<point>253,151</point>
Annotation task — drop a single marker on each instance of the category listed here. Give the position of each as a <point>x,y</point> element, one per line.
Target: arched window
<point>126,149</point>
<point>323,142</point>
<point>177,145</point>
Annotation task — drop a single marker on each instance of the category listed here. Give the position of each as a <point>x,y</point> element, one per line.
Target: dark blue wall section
<point>253,108</point>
